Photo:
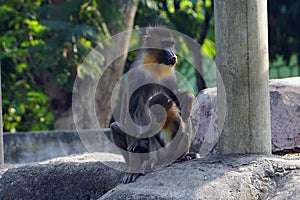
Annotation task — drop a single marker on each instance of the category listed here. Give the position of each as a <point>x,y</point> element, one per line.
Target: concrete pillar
<point>241,32</point>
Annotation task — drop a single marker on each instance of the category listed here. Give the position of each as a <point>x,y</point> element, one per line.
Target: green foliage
<point>42,47</point>
<point>280,69</point>
<point>112,13</point>
<point>284,38</point>
<point>20,34</point>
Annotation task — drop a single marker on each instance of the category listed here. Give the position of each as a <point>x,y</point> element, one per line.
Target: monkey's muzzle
<point>172,60</point>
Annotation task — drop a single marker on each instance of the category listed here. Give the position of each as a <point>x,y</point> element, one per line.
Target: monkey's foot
<point>187,157</point>
<point>131,177</point>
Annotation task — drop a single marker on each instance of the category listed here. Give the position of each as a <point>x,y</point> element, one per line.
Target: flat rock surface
<point>217,177</point>
<point>88,176</point>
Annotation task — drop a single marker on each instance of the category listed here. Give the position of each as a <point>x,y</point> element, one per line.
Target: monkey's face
<point>158,55</point>
<point>168,56</point>
<point>161,53</point>
<point>164,56</point>
<point>159,62</point>
<point>159,47</point>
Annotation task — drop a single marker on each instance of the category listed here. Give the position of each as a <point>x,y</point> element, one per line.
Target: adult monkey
<point>154,127</point>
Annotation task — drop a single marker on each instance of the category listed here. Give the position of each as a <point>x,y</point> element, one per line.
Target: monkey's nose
<point>173,60</point>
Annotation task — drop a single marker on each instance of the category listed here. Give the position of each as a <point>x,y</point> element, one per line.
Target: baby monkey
<point>154,127</point>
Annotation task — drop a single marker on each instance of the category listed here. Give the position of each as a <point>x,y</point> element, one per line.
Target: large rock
<point>87,176</point>
<point>80,177</point>
<point>217,177</point>
<point>285,113</point>
<point>285,117</point>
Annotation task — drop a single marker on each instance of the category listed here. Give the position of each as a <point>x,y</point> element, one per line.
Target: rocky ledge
<point>94,176</point>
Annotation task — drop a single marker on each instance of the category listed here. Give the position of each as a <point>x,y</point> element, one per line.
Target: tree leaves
<point>43,44</point>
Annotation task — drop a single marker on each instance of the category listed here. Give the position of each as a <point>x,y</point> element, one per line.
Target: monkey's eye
<point>167,43</point>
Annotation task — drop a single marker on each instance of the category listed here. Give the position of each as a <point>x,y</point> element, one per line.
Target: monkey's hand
<point>186,100</point>
<point>138,144</point>
<point>159,105</point>
<point>162,100</point>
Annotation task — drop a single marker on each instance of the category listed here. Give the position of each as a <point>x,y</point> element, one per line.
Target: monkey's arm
<point>158,118</point>
<point>186,100</point>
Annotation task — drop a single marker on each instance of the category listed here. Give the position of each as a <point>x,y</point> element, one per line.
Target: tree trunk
<point>115,70</point>
<point>91,107</point>
<point>242,60</point>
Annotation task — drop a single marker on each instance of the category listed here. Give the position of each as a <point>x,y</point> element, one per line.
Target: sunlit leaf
<point>208,48</point>
<point>35,26</point>
<point>185,4</point>
<point>38,97</point>
<point>20,67</point>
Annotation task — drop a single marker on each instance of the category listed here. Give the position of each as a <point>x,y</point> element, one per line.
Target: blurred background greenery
<point>44,42</point>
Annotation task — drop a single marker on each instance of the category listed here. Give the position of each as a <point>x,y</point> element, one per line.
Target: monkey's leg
<point>120,139</point>
<point>138,147</point>
<point>135,160</point>
<point>186,99</point>
<point>187,136</point>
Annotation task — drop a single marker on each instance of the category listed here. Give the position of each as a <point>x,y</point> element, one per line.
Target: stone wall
<point>25,147</point>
